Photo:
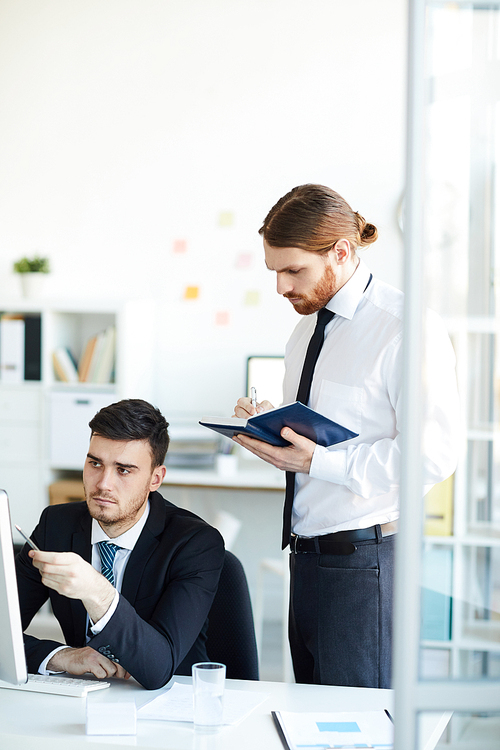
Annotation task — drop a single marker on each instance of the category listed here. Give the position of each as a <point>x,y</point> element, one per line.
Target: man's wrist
<point>50,664</point>
<point>97,625</point>
<point>99,600</point>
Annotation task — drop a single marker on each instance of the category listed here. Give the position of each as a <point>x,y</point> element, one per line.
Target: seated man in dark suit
<point>131,577</point>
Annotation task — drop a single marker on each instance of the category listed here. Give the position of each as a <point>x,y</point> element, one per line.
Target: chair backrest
<point>230,633</point>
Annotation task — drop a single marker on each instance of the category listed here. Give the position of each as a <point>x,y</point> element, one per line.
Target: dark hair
<point>314,217</point>
<point>134,419</point>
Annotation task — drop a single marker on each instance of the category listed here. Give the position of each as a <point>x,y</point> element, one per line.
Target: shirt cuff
<point>42,669</point>
<point>331,466</point>
<point>101,624</point>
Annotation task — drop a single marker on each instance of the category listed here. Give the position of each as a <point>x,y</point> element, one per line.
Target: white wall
<point>126,125</point>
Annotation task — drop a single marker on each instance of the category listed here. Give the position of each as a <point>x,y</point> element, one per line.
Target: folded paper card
<point>267,425</point>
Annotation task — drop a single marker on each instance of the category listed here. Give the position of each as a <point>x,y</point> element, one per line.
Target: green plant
<point>32,265</point>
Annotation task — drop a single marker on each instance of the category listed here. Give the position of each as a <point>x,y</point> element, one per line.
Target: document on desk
<point>348,729</point>
<point>176,704</point>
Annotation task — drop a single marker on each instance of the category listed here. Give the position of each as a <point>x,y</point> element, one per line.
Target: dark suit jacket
<point>168,588</point>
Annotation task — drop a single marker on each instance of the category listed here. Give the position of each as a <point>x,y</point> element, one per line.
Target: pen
<point>253,397</point>
<point>31,544</point>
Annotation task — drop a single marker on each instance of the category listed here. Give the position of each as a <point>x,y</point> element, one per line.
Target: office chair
<point>230,633</point>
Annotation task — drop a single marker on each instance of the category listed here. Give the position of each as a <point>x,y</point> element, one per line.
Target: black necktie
<point>312,354</point>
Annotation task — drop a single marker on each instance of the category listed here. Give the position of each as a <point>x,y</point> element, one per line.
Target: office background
<point>144,142</point>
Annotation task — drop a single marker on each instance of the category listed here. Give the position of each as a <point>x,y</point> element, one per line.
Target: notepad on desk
<point>267,426</point>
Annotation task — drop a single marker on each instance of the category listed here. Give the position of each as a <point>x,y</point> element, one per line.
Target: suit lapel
<point>144,548</point>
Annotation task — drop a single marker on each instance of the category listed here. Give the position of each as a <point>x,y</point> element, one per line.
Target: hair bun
<point>368,232</point>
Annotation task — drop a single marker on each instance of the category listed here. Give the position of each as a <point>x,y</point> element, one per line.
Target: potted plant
<point>32,272</point>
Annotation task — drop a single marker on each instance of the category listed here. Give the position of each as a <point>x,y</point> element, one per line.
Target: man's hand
<point>70,575</point>
<point>296,457</point>
<point>244,408</point>
<point>83,660</point>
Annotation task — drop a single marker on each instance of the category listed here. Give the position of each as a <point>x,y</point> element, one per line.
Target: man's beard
<point>320,295</point>
<point>114,515</point>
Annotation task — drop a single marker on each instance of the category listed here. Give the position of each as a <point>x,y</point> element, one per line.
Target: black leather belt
<point>341,542</point>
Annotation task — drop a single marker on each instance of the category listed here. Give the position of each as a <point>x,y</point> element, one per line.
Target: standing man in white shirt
<point>342,502</point>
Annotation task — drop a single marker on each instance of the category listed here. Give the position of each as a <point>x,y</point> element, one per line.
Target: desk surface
<point>50,722</point>
<point>247,476</point>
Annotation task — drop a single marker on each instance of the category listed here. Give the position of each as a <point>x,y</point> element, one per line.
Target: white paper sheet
<point>176,704</point>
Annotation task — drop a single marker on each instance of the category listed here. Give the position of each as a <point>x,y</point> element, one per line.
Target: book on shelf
<point>86,359</point>
<point>12,348</point>
<point>20,347</point>
<point>98,359</point>
<point>436,605</point>
<point>438,504</point>
<point>267,425</point>
<point>64,365</point>
<point>32,347</point>
<point>105,359</point>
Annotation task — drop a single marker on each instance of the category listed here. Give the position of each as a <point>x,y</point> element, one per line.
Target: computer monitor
<point>266,373</point>
<point>12,658</point>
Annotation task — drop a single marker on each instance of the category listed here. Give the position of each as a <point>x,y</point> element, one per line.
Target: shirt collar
<point>128,539</point>
<point>347,299</point>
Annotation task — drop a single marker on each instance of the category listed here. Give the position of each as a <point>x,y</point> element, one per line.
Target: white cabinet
<point>44,423</point>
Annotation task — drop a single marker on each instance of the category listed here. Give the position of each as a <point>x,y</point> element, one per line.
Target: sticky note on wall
<point>226,219</point>
<point>192,292</point>
<point>222,318</point>
<point>252,297</point>
<point>179,246</point>
<point>244,260</point>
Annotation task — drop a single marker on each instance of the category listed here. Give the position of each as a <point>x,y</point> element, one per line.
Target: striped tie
<point>107,552</point>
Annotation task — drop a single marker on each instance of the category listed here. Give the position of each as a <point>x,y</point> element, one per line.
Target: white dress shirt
<point>127,542</point>
<point>357,382</point>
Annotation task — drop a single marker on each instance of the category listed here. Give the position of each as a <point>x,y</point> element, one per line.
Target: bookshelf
<point>44,422</point>
<point>468,533</point>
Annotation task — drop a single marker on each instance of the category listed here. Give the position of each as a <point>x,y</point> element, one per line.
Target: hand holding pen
<point>249,406</point>
<point>28,540</point>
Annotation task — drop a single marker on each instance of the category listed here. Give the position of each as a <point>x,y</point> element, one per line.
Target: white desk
<point>31,721</point>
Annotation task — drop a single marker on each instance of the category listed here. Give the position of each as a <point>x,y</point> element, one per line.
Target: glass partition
<point>452,653</point>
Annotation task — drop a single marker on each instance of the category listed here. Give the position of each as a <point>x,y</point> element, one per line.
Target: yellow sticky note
<point>221,318</point>
<point>252,297</point>
<point>226,219</point>
<point>191,292</point>
<point>179,246</point>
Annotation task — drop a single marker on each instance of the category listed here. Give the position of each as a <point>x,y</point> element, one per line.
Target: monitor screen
<point>12,659</point>
<point>265,374</point>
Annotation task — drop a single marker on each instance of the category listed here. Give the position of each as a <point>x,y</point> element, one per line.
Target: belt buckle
<point>293,543</point>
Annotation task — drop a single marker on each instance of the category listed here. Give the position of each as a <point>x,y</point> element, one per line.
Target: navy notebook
<point>268,425</point>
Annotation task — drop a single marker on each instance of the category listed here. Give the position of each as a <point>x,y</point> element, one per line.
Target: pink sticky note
<point>221,318</point>
<point>179,246</point>
<point>244,260</point>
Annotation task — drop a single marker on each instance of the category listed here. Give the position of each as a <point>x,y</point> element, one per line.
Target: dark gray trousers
<point>340,624</point>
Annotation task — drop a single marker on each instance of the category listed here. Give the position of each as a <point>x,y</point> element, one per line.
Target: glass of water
<point>208,693</point>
